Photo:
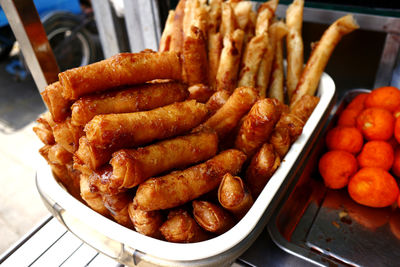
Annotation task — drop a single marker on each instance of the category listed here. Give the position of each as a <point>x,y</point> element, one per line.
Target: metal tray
<point>130,247</point>
<point>326,227</point>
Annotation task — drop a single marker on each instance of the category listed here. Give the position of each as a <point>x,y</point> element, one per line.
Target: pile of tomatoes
<point>363,149</point>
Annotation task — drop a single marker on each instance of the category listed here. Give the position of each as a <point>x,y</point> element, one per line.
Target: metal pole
<point>31,36</point>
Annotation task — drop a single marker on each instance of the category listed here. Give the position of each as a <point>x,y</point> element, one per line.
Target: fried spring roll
<point>252,56</point>
<point>258,125</point>
<point>165,41</point>
<point>211,217</point>
<point>99,179</point>
<point>118,206</point>
<point>119,70</point>
<point>133,166</point>
<point>217,100</point>
<point>179,187</point>
<point>262,166</point>
<point>320,55</point>
<point>138,98</point>
<point>214,16</point>
<point>93,199</point>
<point>67,135</point>
<point>280,139</point>
<point>229,62</point>
<point>91,156</point>
<point>228,20</point>
<point>44,134</point>
<point>214,53</point>
<point>146,222</point>
<point>233,195</point>
<point>294,45</point>
<point>276,89</point>
<point>293,123</point>
<point>229,115</point>
<point>55,102</point>
<point>242,13</point>
<point>133,129</point>
<point>200,92</point>
<point>180,227</point>
<point>304,107</point>
<point>194,60</point>
<point>276,32</point>
<point>177,33</point>
<point>57,154</point>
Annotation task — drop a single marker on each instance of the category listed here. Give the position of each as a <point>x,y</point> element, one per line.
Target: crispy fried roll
<point>118,206</point>
<point>234,196</point>
<point>146,222</point>
<point>228,20</point>
<point>119,70</point>
<point>214,16</point>
<point>93,199</point>
<point>217,100</point>
<point>180,227</point>
<point>276,88</point>
<point>133,166</point>
<point>262,166</point>
<point>212,217</point>
<point>293,123</point>
<point>251,60</point>
<point>200,92</point>
<point>214,53</point>
<point>280,139</point>
<point>320,55</point>
<point>179,187</point>
<point>294,45</point>
<point>242,13</point>
<point>44,133</point>
<point>56,103</point>
<point>258,125</point>
<point>67,135</point>
<point>229,115</point>
<point>138,98</point>
<point>194,60</point>
<point>265,13</point>
<point>99,180</point>
<point>57,154</point>
<point>304,107</point>
<point>229,62</point>
<point>165,41</point>
<point>133,129</point>
<point>91,156</point>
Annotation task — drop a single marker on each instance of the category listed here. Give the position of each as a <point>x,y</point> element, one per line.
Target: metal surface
<point>326,227</point>
<point>388,60</point>
<point>31,36</point>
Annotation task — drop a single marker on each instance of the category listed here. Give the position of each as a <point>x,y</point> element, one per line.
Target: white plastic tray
<point>128,246</point>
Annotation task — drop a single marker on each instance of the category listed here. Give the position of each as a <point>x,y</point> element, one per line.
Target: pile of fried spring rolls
<point>178,144</point>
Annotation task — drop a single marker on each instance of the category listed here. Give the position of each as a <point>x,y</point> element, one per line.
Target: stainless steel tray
<point>326,227</point>
<point>130,247</point>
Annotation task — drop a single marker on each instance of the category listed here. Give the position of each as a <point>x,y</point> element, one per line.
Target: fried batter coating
<point>179,187</point>
<point>212,217</point>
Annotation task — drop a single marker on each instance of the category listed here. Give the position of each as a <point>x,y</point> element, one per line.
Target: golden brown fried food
<point>217,100</point>
<point>258,125</point>
<point>118,206</point>
<point>93,199</point>
<point>194,57</point>
<point>234,196</point>
<point>166,37</point>
<point>280,139</point>
<point>293,123</point>
<point>229,115</point>
<point>179,187</point>
<point>214,16</point>
<point>55,102</point>
<point>304,107</point>
<point>242,13</point>
<point>67,134</point>
<point>320,55</point>
<point>214,48</point>
<point>146,222</point>
<point>99,180</point>
<point>229,62</point>
<point>177,33</point>
<point>133,129</point>
<point>180,227</point>
<point>44,134</point>
<point>138,98</point>
<point>133,166</point>
<point>262,166</point>
<point>119,70</point>
<point>91,156</point>
<point>200,92</point>
<point>58,155</point>
<point>212,217</point>
<point>294,45</point>
<point>228,20</point>
<point>265,13</point>
<point>276,88</point>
